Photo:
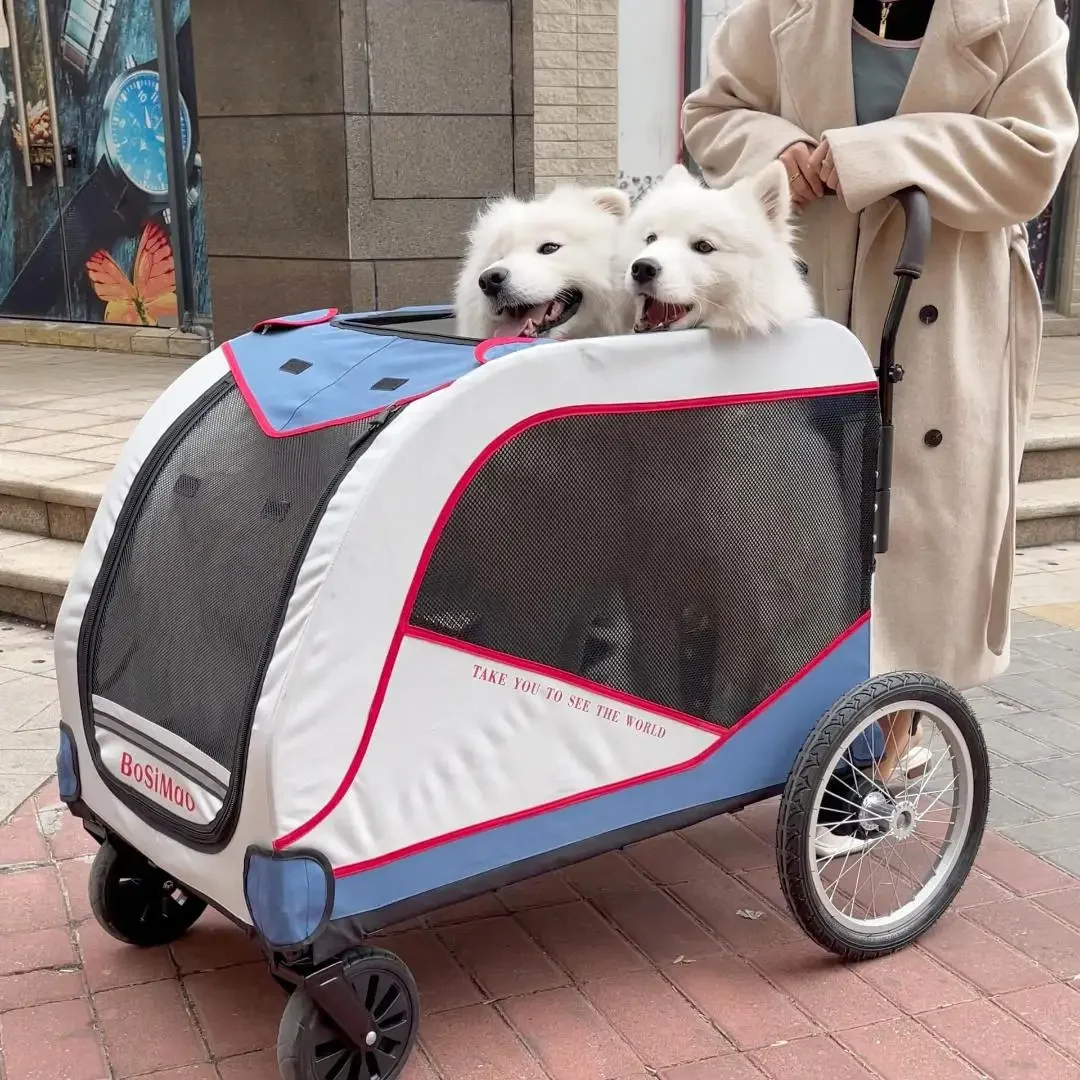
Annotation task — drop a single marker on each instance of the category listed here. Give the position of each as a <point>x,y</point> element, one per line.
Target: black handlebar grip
<point>917,225</point>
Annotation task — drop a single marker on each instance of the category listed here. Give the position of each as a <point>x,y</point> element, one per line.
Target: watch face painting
<point>135,131</point>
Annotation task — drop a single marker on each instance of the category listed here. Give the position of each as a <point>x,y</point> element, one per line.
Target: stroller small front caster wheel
<point>883,814</point>
<point>136,902</point>
<point>384,1013</point>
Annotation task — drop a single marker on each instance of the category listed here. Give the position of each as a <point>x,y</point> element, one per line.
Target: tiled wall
<point>576,44</point>
<point>347,145</point>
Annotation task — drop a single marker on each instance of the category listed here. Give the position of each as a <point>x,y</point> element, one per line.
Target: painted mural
<point>87,238</point>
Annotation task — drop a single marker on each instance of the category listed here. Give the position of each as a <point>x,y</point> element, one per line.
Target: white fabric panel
<point>494,740</point>
<point>217,875</point>
<point>180,747</point>
<point>377,525</point>
<point>150,776</point>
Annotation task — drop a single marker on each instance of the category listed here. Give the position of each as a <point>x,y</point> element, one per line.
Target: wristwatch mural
<point>82,35</point>
<point>128,185</point>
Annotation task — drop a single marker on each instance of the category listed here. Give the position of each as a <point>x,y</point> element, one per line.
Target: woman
<point>969,100</point>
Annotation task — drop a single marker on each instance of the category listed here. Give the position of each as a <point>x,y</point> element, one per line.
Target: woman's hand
<point>822,165</point>
<point>804,178</point>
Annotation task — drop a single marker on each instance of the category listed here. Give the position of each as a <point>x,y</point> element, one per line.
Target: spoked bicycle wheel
<point>871,856</point>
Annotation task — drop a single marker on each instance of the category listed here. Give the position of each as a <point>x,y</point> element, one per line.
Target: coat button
<point>928,314</point>
<point>933,437</point>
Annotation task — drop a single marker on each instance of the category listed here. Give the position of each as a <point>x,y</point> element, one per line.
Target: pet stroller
<point>372,619</point>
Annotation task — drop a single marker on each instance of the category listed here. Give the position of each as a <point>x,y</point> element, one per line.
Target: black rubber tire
<point>134,901</point>
<point>809,773</point>
<point>304,1027</point>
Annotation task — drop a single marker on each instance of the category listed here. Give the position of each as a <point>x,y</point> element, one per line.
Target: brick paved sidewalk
<point>628,966</point>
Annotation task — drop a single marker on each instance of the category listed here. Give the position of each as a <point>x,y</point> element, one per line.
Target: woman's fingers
<point>796,160</point>
<point>804,161</point>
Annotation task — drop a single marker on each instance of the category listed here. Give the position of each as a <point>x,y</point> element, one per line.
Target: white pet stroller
<point>367,624</point>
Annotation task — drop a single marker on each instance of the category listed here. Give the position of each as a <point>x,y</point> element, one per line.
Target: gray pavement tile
<point>1053,834</point>
<point>995,706</point>
<point>1066,680</point>
<point>23,699</point>
<point>1014,745</point>
<point>1062,770</point>
<point>1067,859</point>
<point>1028,690</point>
<point>1005,811</point>
<point>1048,728</point>
<point>1028,628</point>
<point>1027,787</point>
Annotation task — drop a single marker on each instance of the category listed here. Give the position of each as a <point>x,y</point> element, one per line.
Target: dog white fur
<point>546,267</point>
<point>718,258</point>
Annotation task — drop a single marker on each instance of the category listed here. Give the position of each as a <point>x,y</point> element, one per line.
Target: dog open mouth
<point>536,320</point>
<point>654,315</point>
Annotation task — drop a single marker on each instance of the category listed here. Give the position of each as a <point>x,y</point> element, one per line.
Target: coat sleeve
<point>729,124</point>
<point>980,172</point>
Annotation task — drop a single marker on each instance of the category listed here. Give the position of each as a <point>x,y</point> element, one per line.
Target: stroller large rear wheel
<point>870,856</point>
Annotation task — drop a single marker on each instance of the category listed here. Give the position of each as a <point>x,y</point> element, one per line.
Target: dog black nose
<point>645,270</point>
<point>491,281</point>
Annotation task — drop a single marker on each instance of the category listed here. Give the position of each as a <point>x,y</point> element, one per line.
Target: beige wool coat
<point>986,128</point>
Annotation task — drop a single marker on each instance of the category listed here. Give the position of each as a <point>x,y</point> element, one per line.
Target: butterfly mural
<point>146,297</point>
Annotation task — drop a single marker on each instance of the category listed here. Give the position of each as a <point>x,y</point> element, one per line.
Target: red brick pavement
<point>633,965</point>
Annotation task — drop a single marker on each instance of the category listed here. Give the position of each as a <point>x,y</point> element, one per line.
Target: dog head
<point>547,267</point>
<point>722,259</point>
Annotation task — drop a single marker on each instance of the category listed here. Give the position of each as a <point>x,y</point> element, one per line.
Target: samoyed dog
<point>547,267</point>
<point>718,258</point>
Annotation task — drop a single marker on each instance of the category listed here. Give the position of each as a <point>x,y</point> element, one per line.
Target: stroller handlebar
<point>917,228</point>
<point>909,267</point>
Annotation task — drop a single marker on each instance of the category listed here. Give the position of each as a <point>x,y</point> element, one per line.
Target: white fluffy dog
<point>547,267</point>
<point>719,258</point>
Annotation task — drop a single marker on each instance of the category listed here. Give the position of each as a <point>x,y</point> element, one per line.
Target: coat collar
<point>948,76</point>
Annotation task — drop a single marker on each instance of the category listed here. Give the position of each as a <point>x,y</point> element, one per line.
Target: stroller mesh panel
<point>695,558</point>
<point>204,569</point>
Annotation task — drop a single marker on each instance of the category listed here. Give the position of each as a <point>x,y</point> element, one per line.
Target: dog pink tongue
<point>659,314</point>
<point>527,325</point>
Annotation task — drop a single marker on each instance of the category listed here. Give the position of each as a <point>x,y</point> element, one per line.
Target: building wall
<point>347,145</point>
<point>576,46</point>
<point>650,90</point>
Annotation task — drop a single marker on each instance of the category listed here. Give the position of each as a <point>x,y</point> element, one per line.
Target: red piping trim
<point>608,789</point>
<point>268,429</point>
<point>440,523</point>
<point>433,637</point>
<point>481,350</point>
<point>292,323</point>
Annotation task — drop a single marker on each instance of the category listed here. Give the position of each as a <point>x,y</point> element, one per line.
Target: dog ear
<point>679,174</point>
<point>613,201</point>
<point>772,189</point>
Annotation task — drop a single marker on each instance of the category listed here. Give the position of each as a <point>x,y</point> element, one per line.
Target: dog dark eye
<point>651,238</point>
<point>548,249</point>
<point>702,247</point>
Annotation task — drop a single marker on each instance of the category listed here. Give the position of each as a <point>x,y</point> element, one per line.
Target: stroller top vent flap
<point>300,373</point>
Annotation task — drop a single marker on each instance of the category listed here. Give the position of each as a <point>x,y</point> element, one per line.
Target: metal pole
<point>692,15</point>
<point>176,163</point>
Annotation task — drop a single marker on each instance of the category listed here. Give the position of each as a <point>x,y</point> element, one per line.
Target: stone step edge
<point>34,574</point>
<point>161,341</point>
<point>1048,499</point>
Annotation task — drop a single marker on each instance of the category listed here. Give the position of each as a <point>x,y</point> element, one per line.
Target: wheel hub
<point>903,820</point>
<point>876,815</point>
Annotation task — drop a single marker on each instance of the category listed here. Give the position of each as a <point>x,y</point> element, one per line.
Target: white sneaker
<point>829,844</point>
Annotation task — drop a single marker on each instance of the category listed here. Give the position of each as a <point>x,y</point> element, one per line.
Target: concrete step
<point>34,574</point>
<point>1048,512</point>
<point>1052,449</point>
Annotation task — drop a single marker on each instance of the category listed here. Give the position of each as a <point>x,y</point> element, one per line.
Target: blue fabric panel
<point>286,897</point>
<point>296,379</point>
<point>67,769</point>
<point>757,757</point>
